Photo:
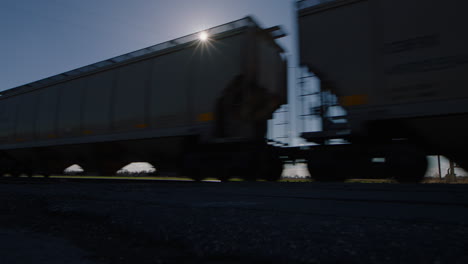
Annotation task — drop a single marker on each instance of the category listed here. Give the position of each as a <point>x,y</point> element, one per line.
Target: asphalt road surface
<point>52,221</point>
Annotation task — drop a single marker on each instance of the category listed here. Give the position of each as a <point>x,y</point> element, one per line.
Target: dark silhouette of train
<point>188,104</point>
<point>199,104</point>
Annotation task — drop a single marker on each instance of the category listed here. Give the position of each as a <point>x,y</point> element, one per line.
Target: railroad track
<point>420,194</point>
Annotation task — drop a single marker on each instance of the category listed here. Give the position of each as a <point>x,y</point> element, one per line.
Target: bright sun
<point>203,36</point>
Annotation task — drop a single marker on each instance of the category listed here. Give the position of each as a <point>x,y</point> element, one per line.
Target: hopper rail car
<point>186,105</point>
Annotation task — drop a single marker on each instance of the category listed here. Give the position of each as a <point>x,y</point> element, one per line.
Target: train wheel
<point>224,175</point>
<point>210,172</point>
<point>273,168</point>
<point>196,175</point>
<point>317,172</point>
<point>191,166</point>
<point>109,168</point>
<point>330,176</point>
<point>193,174</point>
<point>224,179</point>
<point>329,167</point>
<point>407,164</point>
<point>264,165</point>
<point>250,173</point>
<point>29,173</point>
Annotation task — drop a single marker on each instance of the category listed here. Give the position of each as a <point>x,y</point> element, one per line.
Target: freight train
<point>197,104</point>
<point>200,104</point>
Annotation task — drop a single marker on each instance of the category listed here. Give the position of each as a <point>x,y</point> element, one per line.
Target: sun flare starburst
<point>203,36</point>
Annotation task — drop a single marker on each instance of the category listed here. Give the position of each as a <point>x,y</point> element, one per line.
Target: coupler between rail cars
<point>233,160</point>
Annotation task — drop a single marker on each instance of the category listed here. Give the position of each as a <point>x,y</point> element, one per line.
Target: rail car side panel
<point>132,83</point>
<point>47,112</point>
<point>97,102</point>
<point>8,110</point>
<point>70,108</point>
<point>215,65</point>
<point>425,56</point>
<point>336,43</point>
<point>406,58</point>
<point>168,95</point>
<point>25,118</point>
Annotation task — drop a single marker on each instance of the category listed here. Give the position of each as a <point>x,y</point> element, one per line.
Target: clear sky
<point>41,38</point>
